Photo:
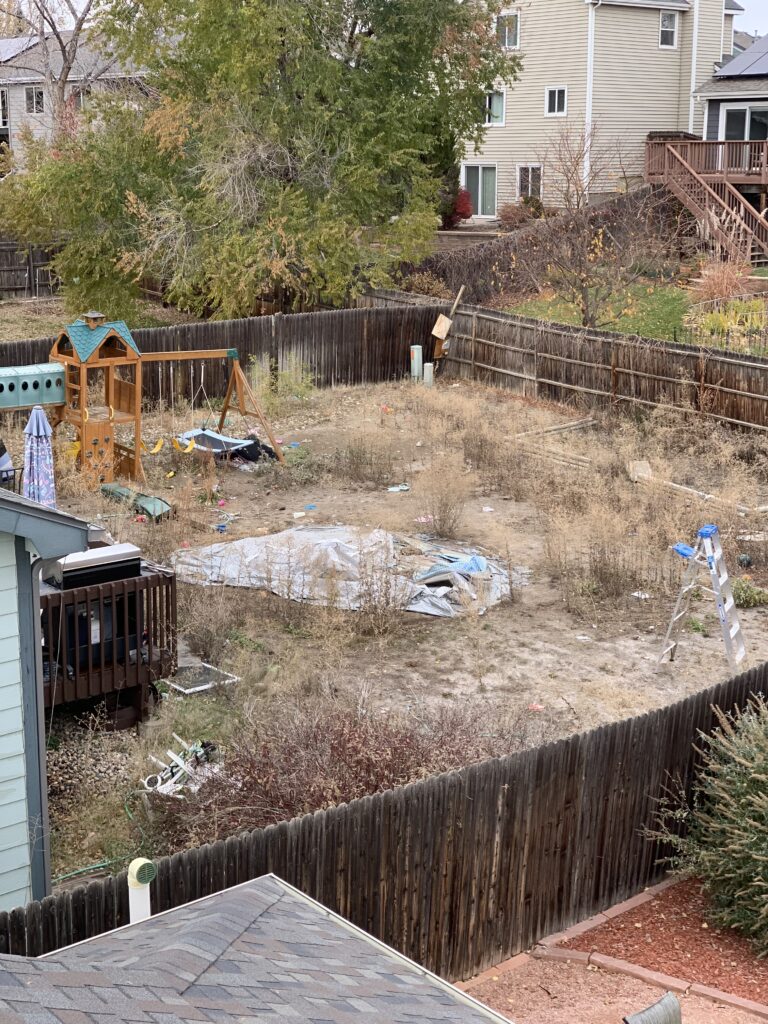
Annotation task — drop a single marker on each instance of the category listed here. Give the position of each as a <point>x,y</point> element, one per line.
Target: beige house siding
<point>550,58</point>
<point>638,86</point>
<point>636,89</point>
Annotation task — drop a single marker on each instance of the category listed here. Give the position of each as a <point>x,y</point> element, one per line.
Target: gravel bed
<point>671,934</point>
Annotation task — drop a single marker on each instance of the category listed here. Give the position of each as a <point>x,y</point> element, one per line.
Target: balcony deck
<point>737,163</point>
<point>108,639</point>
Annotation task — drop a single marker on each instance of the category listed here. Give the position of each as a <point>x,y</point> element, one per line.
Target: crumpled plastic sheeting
<point>347,568</point>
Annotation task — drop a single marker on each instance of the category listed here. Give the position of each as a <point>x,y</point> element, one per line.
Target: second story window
<point>494,108</point>
<point>508,30</point>
<point>35,100</point>
<point>556,101</point>
<point>668,30</point>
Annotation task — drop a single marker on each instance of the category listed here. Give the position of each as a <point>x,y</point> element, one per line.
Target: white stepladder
<point>706,556</point>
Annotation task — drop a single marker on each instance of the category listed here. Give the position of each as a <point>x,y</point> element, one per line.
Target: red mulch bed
<point>671,934</point>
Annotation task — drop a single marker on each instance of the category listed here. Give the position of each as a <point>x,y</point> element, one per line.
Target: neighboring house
<point>620,68</point>
<point>742,41</point>
<point>27,69</point>
<point>259,952</point>
<point>29,534</point>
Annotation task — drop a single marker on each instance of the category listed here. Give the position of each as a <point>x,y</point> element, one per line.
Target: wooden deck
<point>112,638</point>
<point>737,163</point>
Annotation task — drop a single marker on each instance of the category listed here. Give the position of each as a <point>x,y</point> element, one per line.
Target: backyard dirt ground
<point>577,646</point>
<point>540,992</point>
<point>580,659</point>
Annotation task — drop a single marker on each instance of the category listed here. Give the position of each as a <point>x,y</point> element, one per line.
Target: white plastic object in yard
<point>417,362</point>
<point>429,374</point>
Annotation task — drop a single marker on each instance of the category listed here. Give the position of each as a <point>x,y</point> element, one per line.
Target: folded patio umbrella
<point>38,460</point>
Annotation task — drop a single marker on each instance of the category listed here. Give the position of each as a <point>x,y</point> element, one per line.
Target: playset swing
<point>93,353</point>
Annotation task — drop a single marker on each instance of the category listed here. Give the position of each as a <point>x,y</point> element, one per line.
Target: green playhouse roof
<point>85,340</point>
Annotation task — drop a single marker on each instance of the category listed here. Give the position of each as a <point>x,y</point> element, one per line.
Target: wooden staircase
<point>727,219</point>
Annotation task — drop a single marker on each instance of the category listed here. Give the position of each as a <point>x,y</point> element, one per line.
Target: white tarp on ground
<point>349,568</point>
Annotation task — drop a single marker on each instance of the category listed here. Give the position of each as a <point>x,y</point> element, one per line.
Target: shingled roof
<point>260,952</point>
<point>85,340</point>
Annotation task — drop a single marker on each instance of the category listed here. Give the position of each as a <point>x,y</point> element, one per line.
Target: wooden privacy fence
<point>541,360</point>
<point>346,346</point>
<point>459,871</point>
<point>25,272</point>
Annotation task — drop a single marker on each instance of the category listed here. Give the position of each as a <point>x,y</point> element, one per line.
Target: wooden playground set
<point>91,357</point>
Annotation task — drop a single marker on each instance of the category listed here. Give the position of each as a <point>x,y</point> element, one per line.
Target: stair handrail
<point>742,206</point>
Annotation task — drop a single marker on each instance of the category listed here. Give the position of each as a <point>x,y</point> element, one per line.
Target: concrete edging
<point>549,948</point>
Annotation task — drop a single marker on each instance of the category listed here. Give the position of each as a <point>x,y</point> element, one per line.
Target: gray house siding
<point>712,128</point>
<point>28,533</point>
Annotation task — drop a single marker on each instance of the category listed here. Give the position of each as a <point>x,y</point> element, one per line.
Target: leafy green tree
<point>279,143</point>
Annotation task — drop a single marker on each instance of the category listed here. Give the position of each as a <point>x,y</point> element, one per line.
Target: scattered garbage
<point>641,595</point>
<point>299,515</point>
<point>293,444</point>
<point>584,639</point>
<point>146,505</point>
<point>189,768</point>
<point>199,678</point>
<point>346,567</point>
<point>397,488</point>
<point>745,561</point>
<point>310,508</point>
<point>487,508</point>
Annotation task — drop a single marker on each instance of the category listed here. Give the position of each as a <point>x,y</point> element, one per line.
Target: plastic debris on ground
<point>199,678</point>
<point>399,488</point>
<point>343,566</point>
<point>189,768</point>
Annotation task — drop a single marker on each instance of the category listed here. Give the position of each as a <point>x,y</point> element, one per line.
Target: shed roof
<point>85,340</point>
<point>53,533</point>
<point>260,952</point>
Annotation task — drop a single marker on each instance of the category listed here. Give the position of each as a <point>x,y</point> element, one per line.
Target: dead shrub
<point>443,490</point>
<point>366,460</point>
<point>296,755</point>
<point>426,283</point>
<point>515,215</point>
<point>721,280</point>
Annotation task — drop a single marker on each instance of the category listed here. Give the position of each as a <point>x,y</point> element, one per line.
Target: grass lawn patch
<point>21,319</point>
<point>655,310</point>
<point>760,272</point>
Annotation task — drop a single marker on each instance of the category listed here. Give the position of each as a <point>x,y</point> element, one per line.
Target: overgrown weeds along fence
<point>541,360</point>
<point>458,871</point>
<point>346,346</point>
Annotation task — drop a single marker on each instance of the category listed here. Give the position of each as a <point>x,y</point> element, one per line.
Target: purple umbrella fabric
<point>39,483</point>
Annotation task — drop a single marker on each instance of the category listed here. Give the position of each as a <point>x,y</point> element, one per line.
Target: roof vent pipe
<point>140,873</point>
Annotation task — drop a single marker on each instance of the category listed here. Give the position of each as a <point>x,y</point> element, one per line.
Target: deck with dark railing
<point>109,638</point>
<point>738,163</point>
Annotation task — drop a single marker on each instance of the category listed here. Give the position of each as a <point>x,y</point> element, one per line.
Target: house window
<point>78,97</point>
<point>494,108</point>
<point>556,101</point>
<point>35,100</point>
<point>480,182</point>
<point>529,181</point>
<point>508,30</point>
<point>668,30</point>
<point>3,108</point>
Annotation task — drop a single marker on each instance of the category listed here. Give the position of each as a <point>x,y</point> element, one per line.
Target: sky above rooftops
<point>754,18</point>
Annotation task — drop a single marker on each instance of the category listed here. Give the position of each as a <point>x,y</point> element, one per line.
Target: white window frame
<point>530,166</point>
<point>29,94</point>
<point>676,30</point>
<point>508,12</point>
<point>748,107</point>
<point>481,164</point>
<point>556,89</point>
<point>5,122</point>
<point>503,121</point>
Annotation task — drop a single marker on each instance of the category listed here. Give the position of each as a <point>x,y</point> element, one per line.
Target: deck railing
<point>107,638</point>
<point>740,162</point>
